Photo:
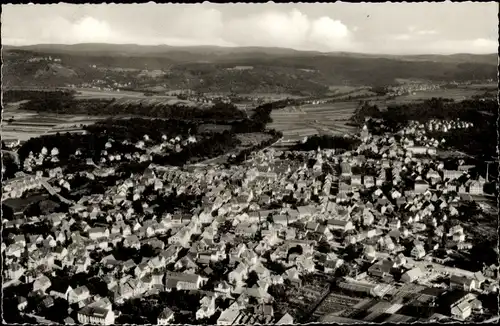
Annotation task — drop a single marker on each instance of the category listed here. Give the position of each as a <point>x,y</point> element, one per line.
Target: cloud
<point>479,45</point>
<point>427,32</point>
<point>492,45</point>
<point>90,29</point>
<point>289,29</point>
<point>401,37</point>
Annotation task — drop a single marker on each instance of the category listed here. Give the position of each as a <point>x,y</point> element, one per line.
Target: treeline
<point>36,95</point>
<point>257,121</point>
<point>65,103</point>
<point>434,108</point>
<point>134,129</point>
<point>325,141</point>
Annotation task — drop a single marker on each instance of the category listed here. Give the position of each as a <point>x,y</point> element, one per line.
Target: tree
<point>252,279</point>
<point>353,251</point>
<point>296,250</point>
<point>324,247</point>
<point>342,271</point>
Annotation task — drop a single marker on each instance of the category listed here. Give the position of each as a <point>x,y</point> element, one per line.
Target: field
<point>334,303</point>
<point>307,120</point>
<point>90,93</point>
<point>26,125</point>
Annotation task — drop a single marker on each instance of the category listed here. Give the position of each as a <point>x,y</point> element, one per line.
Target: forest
<point>338,142</point>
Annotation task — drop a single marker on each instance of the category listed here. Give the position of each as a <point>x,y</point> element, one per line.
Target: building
<point>476,188</point>
<point>452,174</point>
<point>462,283</point>
<point>341,225</point>
<point>345,168</point>
<point>285,320</point>
<point>183,281</point>
<point>412,275</point>
<point>421,186</point>
<point>461,310</point>
<point>418,251</point>
<point>356,180</point>
<point>96,316</point>
<point>165,317</point>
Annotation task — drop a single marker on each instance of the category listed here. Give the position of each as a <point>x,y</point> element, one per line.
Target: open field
<point>90,93</point>
<point>97,93</point>
<point>306,120</point>
<point>26,125</point>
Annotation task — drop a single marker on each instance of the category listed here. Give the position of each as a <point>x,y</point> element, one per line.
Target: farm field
<point>300,121</point>
<point>96,93</point>
<point>334,303</point>
<point>26,125</point>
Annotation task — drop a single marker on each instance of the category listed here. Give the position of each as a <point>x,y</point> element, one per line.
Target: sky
<point>389,28</point>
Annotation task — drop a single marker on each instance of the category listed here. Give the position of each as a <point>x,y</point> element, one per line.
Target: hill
<point>210,68</point>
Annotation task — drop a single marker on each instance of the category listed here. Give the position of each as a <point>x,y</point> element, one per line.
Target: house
<point>356,180</point>
<point>186,262</point>
<point>207,308</point>
<point>96,316</point>
<point>462,283</point>
<point>165,317</point>
<point>305,211</point>
<point>78,294</point>
<point>183,281</point>
<point>369,181</point>
<point>418,251</point>
<point>412,275</point>
<point>223,287</point>
<point>476,187</point>
<point>381,270</point>
<point>420,186</point>
<point>82,264</point>
<point>229,316</point>
<point>479,279</point>
<point>239,274</point>
<point>461,310</point>
<point>98,232</point>
<point>15,271</point>
<point>60,289</point>
<point>345,168</point>
<point>285,320</point>
<point>331,265</point>
<point>341,225</point>
<point>22,303</point>
<point>452,174</point>
<point>41,284</point>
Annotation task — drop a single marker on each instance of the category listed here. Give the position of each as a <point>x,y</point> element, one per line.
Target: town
<point>278,164</point>
<point>284,237</point>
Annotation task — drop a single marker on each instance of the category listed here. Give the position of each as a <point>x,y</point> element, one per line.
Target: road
<point>53,192</point>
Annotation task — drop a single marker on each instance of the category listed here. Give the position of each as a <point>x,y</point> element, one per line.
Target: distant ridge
<point>153,50</point>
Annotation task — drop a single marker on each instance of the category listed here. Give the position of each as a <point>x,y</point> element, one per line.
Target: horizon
<point>374,28</point>
<point>248,47</point>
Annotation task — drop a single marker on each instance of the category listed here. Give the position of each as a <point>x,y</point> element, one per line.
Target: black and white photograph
<point>250,163</point>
